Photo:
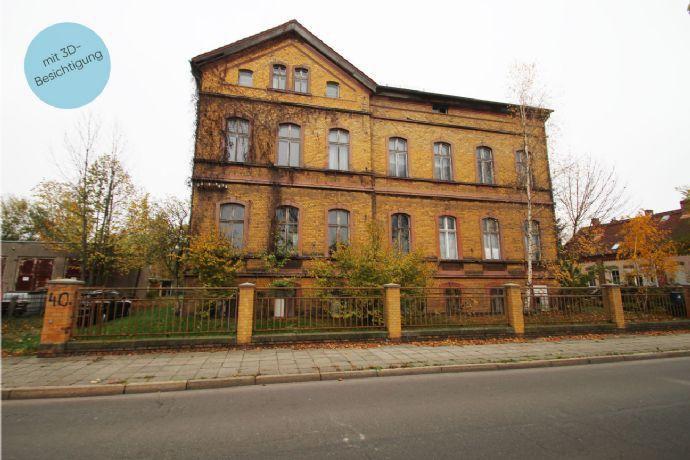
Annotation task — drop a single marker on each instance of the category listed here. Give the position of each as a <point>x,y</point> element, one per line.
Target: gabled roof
<point>290,27</point>
<point>294,28</point>
<point>675,222</point>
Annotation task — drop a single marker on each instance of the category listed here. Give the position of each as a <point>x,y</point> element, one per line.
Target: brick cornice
<point>210,181</point>
<point>357,112</point>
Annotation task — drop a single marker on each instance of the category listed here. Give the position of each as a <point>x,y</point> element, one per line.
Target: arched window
<point>279,76</point>
<point>338,149</point>
<point>289,143</point>
<point>442,162</point>
<point>245,78</point>
<point>332,90</point>
<point>535,241</point>
<point>448,238</point>
<point>232,223</point>
<point>491,238</point>
<point>397,156</point>
<point>237,140</point>
<point>338,228</point>
<point>301,80</point>
<point>485,165</point>
<point>400,232</point>
<point>287,226</point>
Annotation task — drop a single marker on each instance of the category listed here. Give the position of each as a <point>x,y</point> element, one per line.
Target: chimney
<point>648,212</point>
<point>685,209</point>
<point>595,222</point>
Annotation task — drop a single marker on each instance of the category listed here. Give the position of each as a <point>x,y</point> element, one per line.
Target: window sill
<point>288,91</point>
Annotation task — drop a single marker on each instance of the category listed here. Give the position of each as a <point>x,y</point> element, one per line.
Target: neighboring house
<point>621,271</point>
<point>294,142</point>
<point>28,265</point>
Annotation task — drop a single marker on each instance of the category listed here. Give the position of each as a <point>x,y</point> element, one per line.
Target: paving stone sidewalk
<point>158,367</point>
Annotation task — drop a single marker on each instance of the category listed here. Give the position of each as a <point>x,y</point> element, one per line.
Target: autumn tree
<point>170,236</point>
<point>530,114</point>
<point>85,213</point>
<point>17,224</point>
<point>212,260</point>
<point>648,246</point>
<point>586,190</point>
<point>372,264</point>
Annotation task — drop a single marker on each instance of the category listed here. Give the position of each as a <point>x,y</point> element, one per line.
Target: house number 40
<point>61,299</point>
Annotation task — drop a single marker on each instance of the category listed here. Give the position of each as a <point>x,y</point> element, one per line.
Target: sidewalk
<point>206,369</point>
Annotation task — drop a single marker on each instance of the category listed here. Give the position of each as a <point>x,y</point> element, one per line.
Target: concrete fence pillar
<point>245,313</point>
<point>686,298</point>
<point>514,307</point>
<point>61,304</point>
<point>391,310</point>
<point>613,304</point>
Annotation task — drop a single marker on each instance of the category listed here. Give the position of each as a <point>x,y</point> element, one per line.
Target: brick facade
<point>372,115</point>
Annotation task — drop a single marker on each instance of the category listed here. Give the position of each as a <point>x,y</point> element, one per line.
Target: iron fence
<point>290,309</point>
<point>133,312</point>
<point>564,305</point>
<point>652,303</point>
<point>441,307</point>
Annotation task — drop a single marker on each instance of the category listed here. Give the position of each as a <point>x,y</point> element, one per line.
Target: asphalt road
<point>633,409</point>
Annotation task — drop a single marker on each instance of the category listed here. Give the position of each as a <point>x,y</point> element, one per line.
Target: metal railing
<point>290,309</point>
<point>445,307</point>
<point>652,303</point>
<point>134,312</point>
<point>564,305</point>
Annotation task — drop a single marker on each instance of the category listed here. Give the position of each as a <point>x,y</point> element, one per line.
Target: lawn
<point>21,335</point>
<point>160,321</point>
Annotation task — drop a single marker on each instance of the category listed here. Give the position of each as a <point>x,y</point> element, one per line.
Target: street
<point>632,409</point>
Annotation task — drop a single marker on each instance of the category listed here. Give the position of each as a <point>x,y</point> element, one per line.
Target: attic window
<point>615,246</point>
<point>332,90</point>
<point>439,108</point>
<point>279,76</point>
<point>246,78</point>
<point>664,218</point>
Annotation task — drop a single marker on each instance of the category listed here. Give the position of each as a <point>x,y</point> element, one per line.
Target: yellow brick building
<point>294,142</point>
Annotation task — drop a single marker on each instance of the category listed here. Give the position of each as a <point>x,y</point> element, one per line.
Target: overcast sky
<point>618,73</point>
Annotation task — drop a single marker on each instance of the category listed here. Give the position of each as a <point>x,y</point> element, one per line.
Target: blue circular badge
<point>67,65</point>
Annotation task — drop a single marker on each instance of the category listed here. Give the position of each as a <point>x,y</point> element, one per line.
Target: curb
<point>45,392</point>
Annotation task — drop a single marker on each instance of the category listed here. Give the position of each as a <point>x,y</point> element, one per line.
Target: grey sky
<point>617,72</point>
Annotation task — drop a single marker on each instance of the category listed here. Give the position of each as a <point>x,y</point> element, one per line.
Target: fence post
<point>245,314</point>
<point>686,298</point>
<point>391,310</point>
<point>61,302</point>
<point>613,304</point>
<point>514,313</point>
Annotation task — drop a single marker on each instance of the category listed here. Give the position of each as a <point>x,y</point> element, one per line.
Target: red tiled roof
<point>612,233</point>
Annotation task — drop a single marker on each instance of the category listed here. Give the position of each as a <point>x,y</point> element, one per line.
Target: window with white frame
<point>289,144</point>
<point>332,90</point>
<point>485,165</point>
<point>401,232</point>
<point>246,78</point>
<point>338,228</point>
<point>448,237</point>
<point>237,140</point>
<point>287,225</point>
<point>491,239</point>
<point>301,80</point>
<point>521,168</point>
<point>397,156</point>
<point>442,161</point>
<point>231,223</point>
<point>615,276</point>
<point>279,77</point>
<point>338,149</point>
<point>534,241</point>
